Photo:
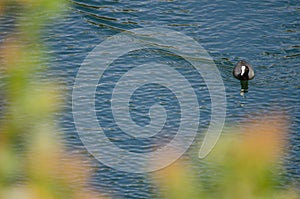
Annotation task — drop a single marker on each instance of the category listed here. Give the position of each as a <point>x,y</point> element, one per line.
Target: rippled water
<point>265,33</point>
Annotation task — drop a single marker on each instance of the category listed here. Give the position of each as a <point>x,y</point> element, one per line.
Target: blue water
<point>266,33</point>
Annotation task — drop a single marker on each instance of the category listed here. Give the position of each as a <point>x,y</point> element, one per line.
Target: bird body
<point>243,71</point>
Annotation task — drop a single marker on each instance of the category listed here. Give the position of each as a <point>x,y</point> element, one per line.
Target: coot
<point>244,72</point>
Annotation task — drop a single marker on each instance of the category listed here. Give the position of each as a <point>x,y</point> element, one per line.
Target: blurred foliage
<point>33,163</point>
<point>245,165</point>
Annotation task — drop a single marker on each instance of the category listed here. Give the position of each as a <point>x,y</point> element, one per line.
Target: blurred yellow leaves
<point>33,162</point>
<point>245,165</point>
<point>175,181</point>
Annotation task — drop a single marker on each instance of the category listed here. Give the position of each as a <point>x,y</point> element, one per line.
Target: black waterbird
<point>244,72</point>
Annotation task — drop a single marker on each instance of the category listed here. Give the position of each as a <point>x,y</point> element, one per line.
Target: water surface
<point>264,33</point>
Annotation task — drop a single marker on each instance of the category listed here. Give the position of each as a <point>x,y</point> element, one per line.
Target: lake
<point>266,33</point>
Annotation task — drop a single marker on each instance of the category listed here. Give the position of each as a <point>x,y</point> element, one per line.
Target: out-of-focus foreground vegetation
<point>245,165</point>
<point>35,165</point>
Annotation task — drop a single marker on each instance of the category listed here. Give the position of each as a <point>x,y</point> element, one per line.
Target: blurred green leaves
<point>244,165</point>
<point>33,162</point>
